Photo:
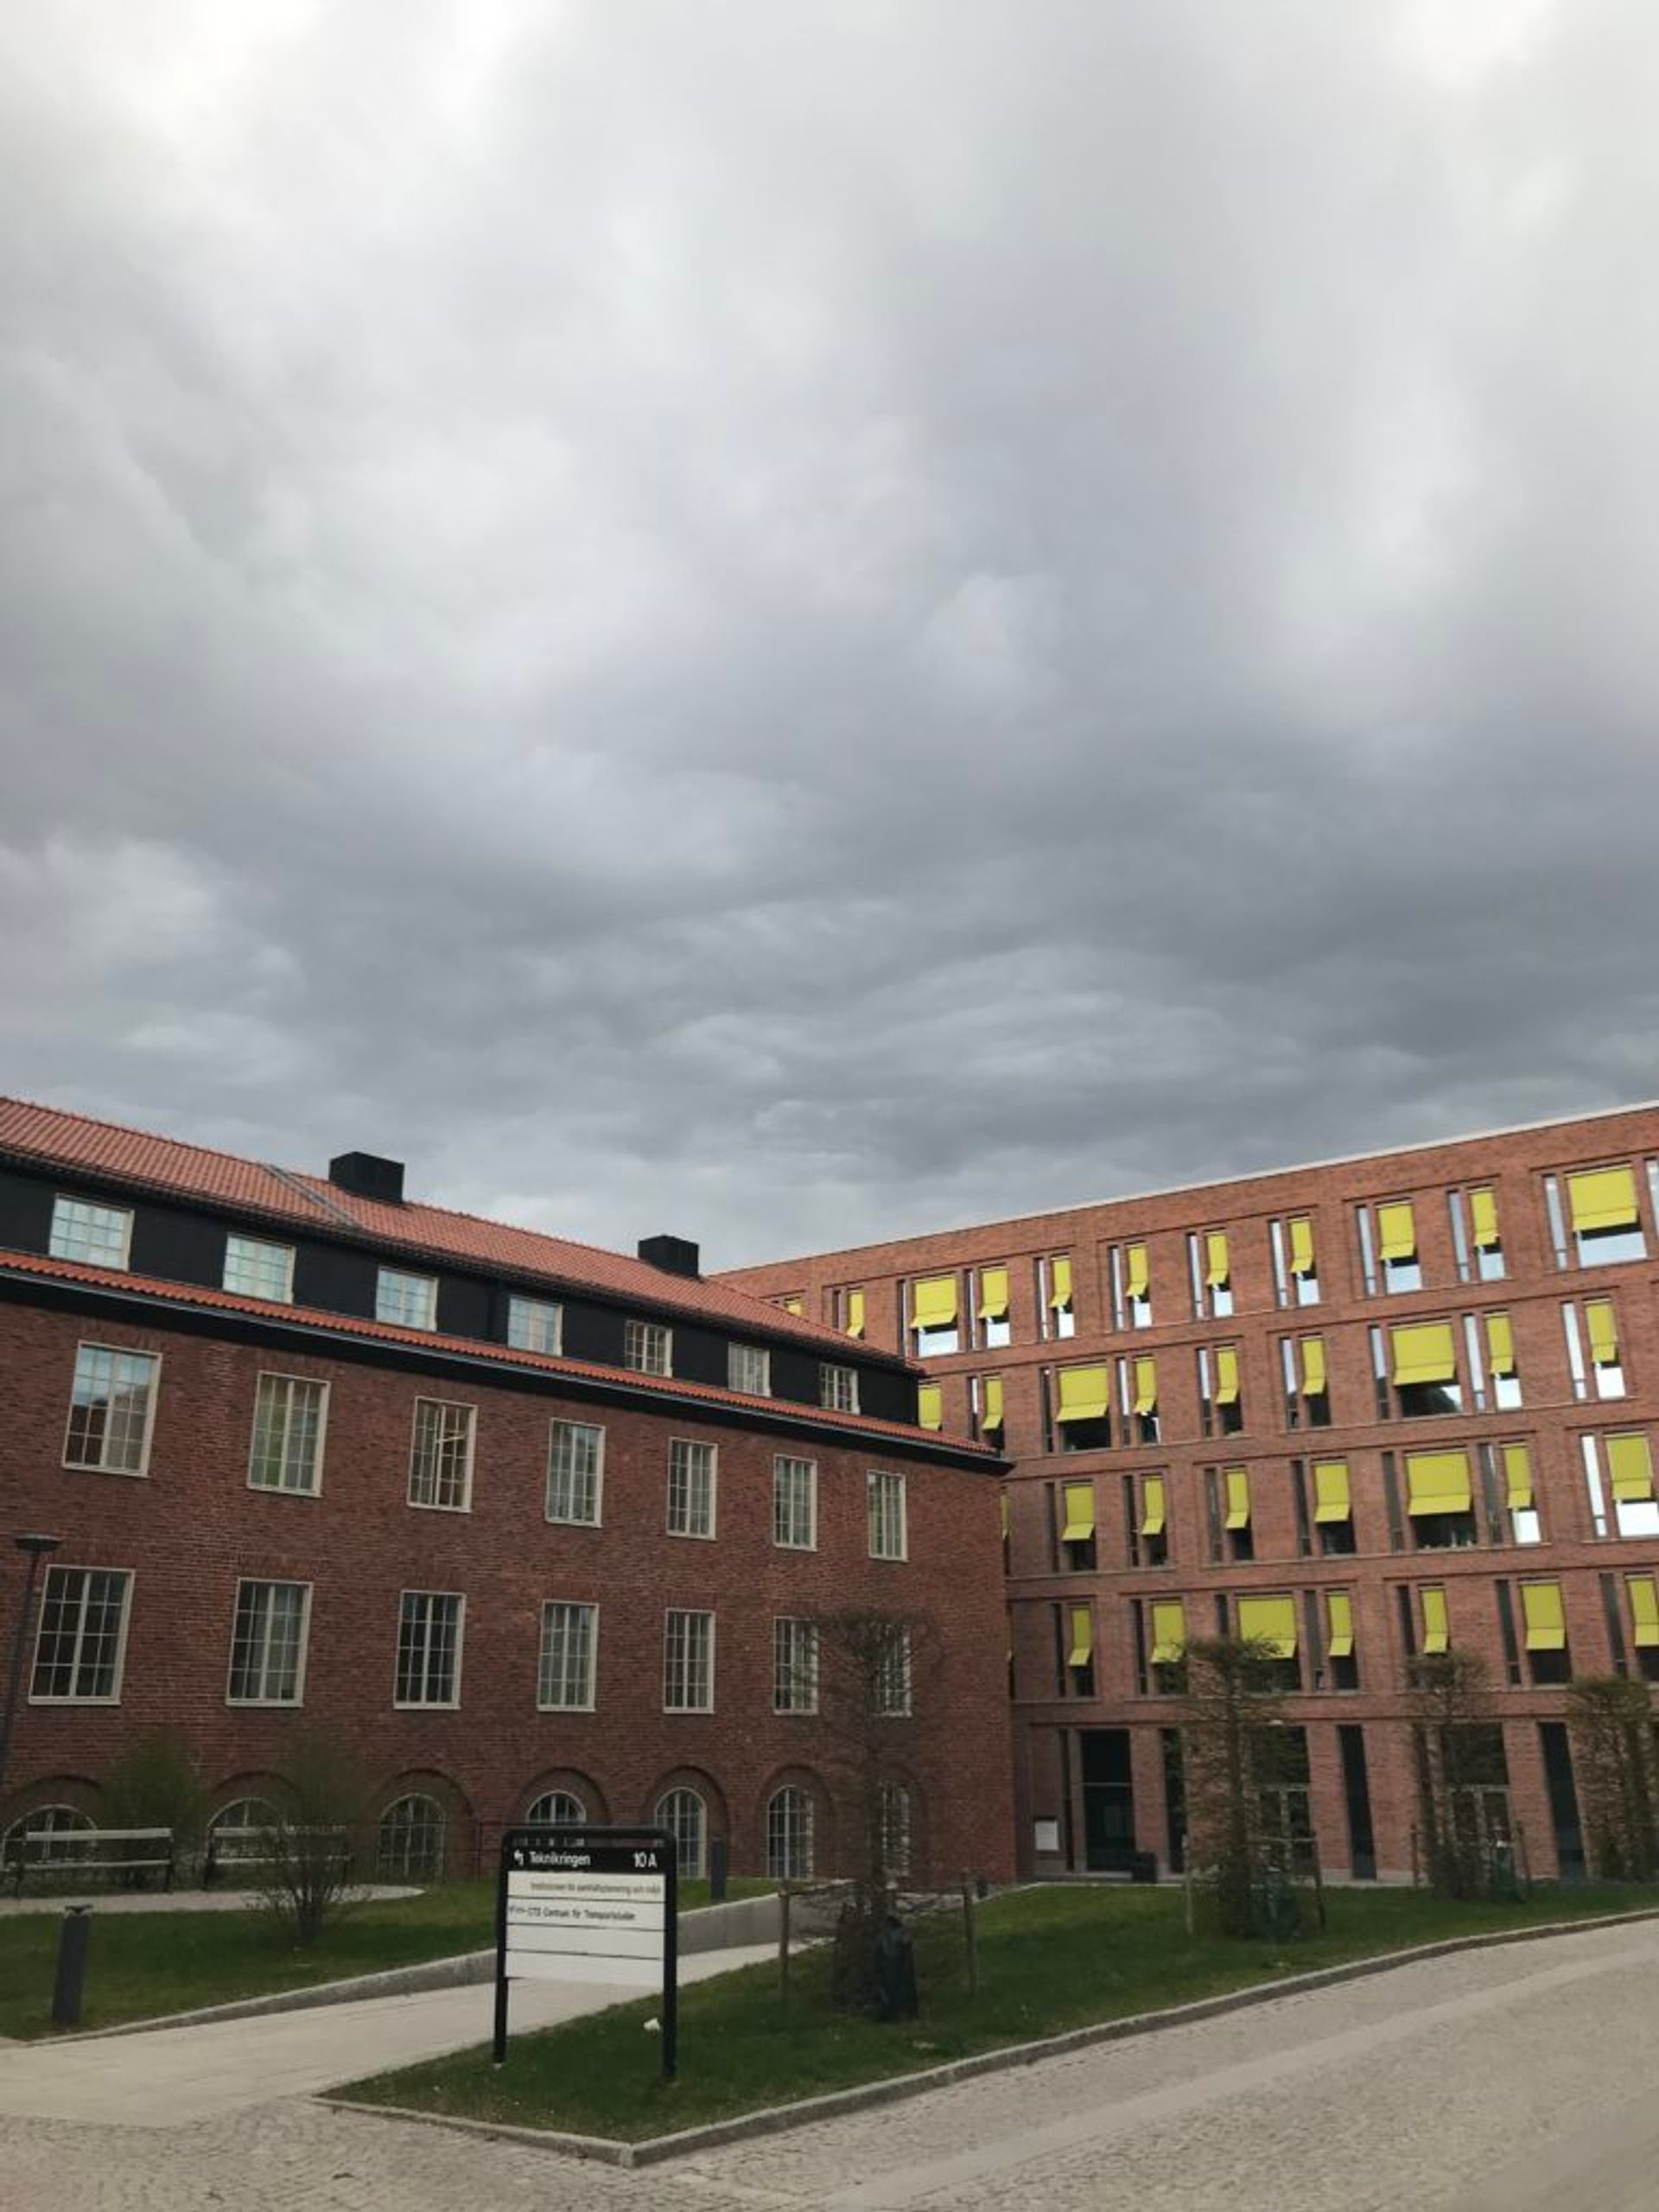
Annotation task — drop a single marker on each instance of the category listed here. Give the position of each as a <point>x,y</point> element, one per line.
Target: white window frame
<point>694,1444</point>
<point>66,1207</point>
<point>292,1381</point>
<point>789,1542</point>
<point>303,1645</point>
<point>881,1487</point>
<point>522,1339</point>
<point>385,1279</point>
<point>112,1696</point>
<point>596,1519</point>
<point>451,1703</point>
<point>672,1613</point>
<point>795,1679</point>
<point>893,1689</point>
<point>434,1503</point>
<point>103,1465</point>
<point>837,1387</point>
<point>587,1704</point>
<point>260,1287</point>
<point>693,1863</point>
<point>638,1338</point>
<point>802,1829</point>
<point>755,1359</point>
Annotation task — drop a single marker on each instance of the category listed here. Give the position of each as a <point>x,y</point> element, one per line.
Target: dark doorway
<point>1107,1800</point>
<point>1563,1799</point>
<point>1362,1844</point>
<point>1175,1799</point>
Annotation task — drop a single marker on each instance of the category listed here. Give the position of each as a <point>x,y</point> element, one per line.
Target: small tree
<point>308,1854</point>
<point>1459,1753</point>
<point>1611,1721</point>
<point>1235,1748</point>
<point>156,1783</point>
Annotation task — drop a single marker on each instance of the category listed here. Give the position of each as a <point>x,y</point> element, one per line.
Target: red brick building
<point>540,1530</point>
<point>1371,1408</point>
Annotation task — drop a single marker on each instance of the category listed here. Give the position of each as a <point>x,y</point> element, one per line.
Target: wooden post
<point>1187,1897</point>
<point>782,1944</point>
<point>970,1935</point>
<point>1416,1876</point>
<point>1318,1883</point>
<point>1521,1858</point>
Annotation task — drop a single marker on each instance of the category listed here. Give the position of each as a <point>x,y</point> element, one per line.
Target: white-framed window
<point>1210,1273</point>
<point>1295,1269</point>
<point>889,1532</point>
<point>565,1681</point>
<point>748,1369</point>
<point>556,1809</point>
<point>290,1418</point>
<point>891,1688</point>
<point>111,1409</point>
<point>1057,1312</point>
<point>648,1348</point>
<point>1594,1357</point>
<point>895,1828</point>
<point>1389,1258</point>
<point>81,1640</point>
<point>410,1301</point>
<point>789,1834</point>
<point>932,1306</point>
<point>794,1665</point>
<point>535,1324</point>
<point>685,1816</point>
<point>692,1477</point>
<point>428,1647</point>
<point>98,1234</point>
<point>1603,1216</point>
<point>47,1822</point>
<point>441,1455</point>
<point>688,1661</point>
<point>838,1387</point>
<point>575,1472</point>
<point>795,1503</point>
<point>1618,1474</point>
<point>1477,1241</point>
<point>268,1641</point>
<point>255,1269</point>
<point>989,1305</point>
<point>408,1846</point>
<point>1129,1267</point>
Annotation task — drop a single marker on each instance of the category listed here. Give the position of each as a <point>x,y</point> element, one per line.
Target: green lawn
<point>1050,1959</point>
<point>141,1965</point>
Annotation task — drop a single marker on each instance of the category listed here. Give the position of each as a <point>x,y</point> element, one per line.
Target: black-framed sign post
<point>590,1904</point>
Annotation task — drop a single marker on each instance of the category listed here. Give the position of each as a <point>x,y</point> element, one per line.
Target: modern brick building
<point>541,1531</point>
<point>1367,1408</point>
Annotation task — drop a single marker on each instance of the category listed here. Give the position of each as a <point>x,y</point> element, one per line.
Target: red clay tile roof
<point>48,1136</point>
<point>196,1297</point>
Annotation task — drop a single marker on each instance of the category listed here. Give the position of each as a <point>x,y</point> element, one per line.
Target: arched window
<point>895,1828</point>
<point>245,1813</point>
<point>43,1820</point>
<point>685,1816</point>
<point>789,1834</point>
<point>555,1806</point>
<point>411,1847</point>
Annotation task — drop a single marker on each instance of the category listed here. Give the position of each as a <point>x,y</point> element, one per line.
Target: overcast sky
<point>792,621</point>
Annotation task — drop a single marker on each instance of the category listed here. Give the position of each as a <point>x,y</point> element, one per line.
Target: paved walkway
<point>1505,2080</point>
<point>162,1900</point>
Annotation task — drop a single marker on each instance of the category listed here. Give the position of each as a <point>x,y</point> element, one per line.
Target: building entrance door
<point>1107,1802</point>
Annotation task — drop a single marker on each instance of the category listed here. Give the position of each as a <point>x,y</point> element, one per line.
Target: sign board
<point>592,1904</point>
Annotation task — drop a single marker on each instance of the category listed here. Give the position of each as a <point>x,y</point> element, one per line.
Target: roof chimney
<point>675,1256</point>
<point>367,1176</point>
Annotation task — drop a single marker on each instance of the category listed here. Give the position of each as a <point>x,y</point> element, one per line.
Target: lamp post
<point>37,1548</point>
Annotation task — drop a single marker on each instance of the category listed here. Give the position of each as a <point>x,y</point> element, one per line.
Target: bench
<point>82,1851</point>
<point>234,1850</point>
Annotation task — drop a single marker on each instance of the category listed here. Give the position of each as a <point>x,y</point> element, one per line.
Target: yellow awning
<point>1339,1613</point>
<point>1500,1343</point>
<point>990,1413</point>
<point>854,1312</point>
<point>1630,1463</point>
<point>929,1406</point>
<point>1313,1378</point>
<point>1425,1351</point>
<point>1060,1280</point>
<point>793,1304</point>
<point>1146,1385</point>
<point>1138,1272</point>
<point>1437,1633</point>
<point>1483,1219</point>
<point>993,1294</point>
<point>1644,1610</point>
<point>1302,1246</point>
<point>1269,1620</point>
<point>1333,1497</point>
<point>1238,1498</point>
<point>1079,1513</point>
<point>1152,1505</point>
<point>1083,1637</point>
<point>1604,1199</point>
<point>1545,1615</point>
<point>1602,1323</point>
<point>1437,1482</point>
<point>1396,1230</point>
<point>1169,1631</point>
<point>1217,1265</point>
<point>1518,1476</point>
<point>933,1302</point>
<point>1085,1393</point>
<point>1226,1375</point>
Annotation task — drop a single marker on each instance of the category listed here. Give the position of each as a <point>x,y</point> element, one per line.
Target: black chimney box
<point>368,1176</point>
<point>675,1256</point>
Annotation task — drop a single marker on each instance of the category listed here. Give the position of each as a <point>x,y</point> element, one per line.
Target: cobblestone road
<point>1493,2082</point>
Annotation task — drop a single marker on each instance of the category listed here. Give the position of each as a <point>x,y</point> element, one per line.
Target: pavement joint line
<point>805,2111</point>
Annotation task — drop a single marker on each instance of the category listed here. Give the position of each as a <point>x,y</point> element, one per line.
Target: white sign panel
<point>585,1913</point>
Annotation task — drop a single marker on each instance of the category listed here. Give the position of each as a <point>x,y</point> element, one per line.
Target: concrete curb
<point>773,2120</point>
